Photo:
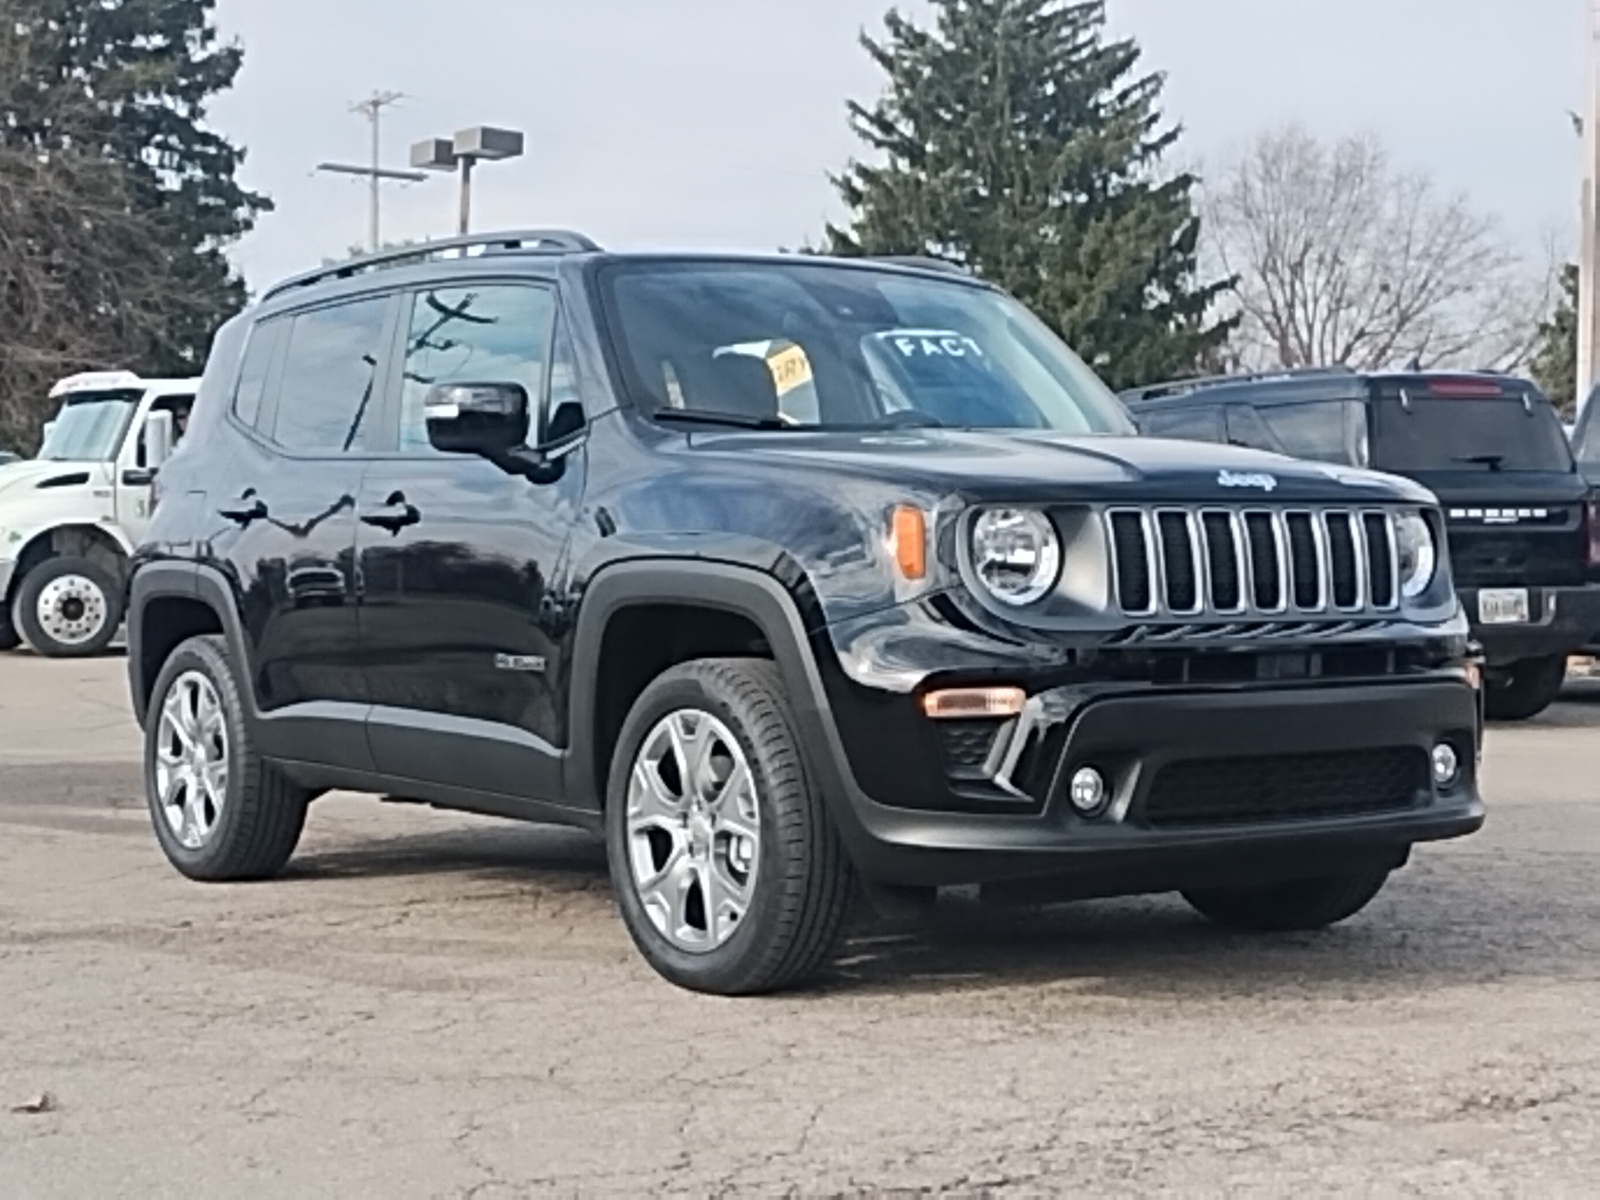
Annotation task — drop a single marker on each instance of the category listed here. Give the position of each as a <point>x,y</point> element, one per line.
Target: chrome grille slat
<point>1325,563</point>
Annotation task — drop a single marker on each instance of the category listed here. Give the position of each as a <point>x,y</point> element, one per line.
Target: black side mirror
<point>477,418</point>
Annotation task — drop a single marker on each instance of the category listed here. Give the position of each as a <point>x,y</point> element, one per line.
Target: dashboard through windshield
<point>813,346</point>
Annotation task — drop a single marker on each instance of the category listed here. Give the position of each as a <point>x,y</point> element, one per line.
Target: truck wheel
<point>68,608</point>
<point>728,870</point>
<point>221,814</point>
<point>1525,689</point>
<point>1289,907</point>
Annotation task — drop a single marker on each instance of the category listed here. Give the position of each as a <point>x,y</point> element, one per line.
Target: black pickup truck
<point>1524,533</point>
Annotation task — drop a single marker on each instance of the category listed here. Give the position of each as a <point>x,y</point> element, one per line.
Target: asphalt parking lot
<point>431,1005</point>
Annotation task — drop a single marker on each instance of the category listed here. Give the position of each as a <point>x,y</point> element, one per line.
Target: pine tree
<point>1016,139</point>
<point>1555,363</point>
<point>117,202</point>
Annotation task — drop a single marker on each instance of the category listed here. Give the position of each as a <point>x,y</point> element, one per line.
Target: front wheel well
<point>165,623</point>
<point>73,541</point>
<point>641,643</point>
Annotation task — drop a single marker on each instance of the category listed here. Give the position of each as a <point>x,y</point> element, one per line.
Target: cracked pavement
<point>431,1005</point>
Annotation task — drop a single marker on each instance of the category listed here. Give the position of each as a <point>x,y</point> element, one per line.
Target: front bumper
<point>1562,620</point>
<point>1159,746</point>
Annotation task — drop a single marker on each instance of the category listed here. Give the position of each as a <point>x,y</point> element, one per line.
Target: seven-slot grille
<point>1223,561</point>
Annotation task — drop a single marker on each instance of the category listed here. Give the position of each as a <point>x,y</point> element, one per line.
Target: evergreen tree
<point>117,202</point>
<point>1555,363</point>
<point>1014,138</point>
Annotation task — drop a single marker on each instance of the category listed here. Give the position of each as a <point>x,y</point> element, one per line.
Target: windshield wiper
<point>1492,461</point>
<point>706,416</point>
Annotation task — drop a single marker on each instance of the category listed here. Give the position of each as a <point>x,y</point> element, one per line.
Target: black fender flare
<point>745,591</point>
<point>186,581</point>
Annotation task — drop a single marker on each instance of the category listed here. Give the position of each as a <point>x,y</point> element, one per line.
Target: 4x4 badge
<point>1234,479</point>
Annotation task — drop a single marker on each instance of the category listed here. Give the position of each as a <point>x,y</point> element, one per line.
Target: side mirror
<point>158,432</point>
<point>477,418</point>
<point>45,435</point>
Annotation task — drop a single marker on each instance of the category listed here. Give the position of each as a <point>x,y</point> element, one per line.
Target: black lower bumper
<point>1352,764</point>
<point>1560,621</point>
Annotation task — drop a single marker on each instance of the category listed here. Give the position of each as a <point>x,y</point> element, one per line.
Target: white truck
<point>70,518</point>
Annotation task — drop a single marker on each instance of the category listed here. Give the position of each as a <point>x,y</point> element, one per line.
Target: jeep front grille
<point>1188,562</point>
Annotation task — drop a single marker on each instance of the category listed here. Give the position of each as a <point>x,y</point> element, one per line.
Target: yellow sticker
<point>790,368</point>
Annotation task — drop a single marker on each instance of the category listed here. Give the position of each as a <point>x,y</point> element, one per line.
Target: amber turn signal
<point>955,704</point>
<point>908,539</point>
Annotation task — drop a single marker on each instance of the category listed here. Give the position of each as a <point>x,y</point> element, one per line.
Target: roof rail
<point>524,241</point>
<point>1180,387</point>
<point>925,262</point>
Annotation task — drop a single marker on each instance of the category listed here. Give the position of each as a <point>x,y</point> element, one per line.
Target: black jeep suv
<point>1524,537</point>
<point>788,574</point>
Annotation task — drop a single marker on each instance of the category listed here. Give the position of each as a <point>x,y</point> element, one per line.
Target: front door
<point>459,562</point>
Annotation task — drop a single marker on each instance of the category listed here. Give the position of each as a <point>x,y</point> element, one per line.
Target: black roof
<point>1321,383</point>
<point>554,244</point>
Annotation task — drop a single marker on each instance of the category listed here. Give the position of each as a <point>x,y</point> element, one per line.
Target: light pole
<point>481,143</point>
<point>1589,244</point>
<point>375,173</point>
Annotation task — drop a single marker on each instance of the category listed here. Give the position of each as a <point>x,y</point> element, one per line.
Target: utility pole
<point>374,172</point>
<point>1589,252</point>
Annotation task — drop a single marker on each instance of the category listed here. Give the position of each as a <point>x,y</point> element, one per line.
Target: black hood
<point>1049,466</point>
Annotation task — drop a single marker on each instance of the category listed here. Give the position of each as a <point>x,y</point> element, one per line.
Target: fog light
<point>1446,765</point>
<point>1088,791</point>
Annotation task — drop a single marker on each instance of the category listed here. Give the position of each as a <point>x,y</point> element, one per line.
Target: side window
<point>1316,431</point>
<point>1189,424</point>
<point>492,333</point>
<point>259,356</point>
<point>1246,428</point>
<point>329,376</point>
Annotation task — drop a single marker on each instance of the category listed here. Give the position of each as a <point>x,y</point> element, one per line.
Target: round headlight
<point>1419,558</point>
<point>1016,554</point>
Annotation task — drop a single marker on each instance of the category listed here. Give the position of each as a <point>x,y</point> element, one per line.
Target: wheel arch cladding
<point>639,619</point>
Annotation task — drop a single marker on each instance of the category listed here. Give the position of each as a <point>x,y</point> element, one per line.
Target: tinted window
<point>1327,431</point>
<point>258,359</point>
<point>1587,434</point>
<point>814,345</point>
<point>494,333</point>
<point>328,377</point>
<point>1462,433</point>
<point>1190,424</point>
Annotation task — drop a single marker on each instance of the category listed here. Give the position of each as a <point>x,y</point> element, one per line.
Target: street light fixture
<point>481,143</point>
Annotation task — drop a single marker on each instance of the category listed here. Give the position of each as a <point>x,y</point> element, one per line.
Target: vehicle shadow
<point>1449,919</point>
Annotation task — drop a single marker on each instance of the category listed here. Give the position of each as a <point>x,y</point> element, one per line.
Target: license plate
<point>1504,606</point>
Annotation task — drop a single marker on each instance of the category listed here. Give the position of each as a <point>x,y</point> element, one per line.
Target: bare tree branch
<point>1343,260</point>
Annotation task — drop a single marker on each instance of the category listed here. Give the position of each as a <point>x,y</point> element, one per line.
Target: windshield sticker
<point>930,343</point>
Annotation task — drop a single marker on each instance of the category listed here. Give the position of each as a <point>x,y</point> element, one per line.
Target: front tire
<point>1525,689</point>
<point>1289,907</point>
<point>68,608</point>
<point>728,870</point>
<point>221,813</point>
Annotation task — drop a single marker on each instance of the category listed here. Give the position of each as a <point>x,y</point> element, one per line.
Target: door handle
<point>395,515</point>
<point>248,508</point>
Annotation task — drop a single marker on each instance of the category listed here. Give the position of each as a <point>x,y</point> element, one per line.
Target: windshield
<point>813,346</point>
<point>89,426</point>
<point>1469,434</point>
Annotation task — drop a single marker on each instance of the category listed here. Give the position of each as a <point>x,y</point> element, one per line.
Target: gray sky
<point>713,123</point>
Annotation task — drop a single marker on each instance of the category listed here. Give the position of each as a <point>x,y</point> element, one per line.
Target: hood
<point>1051,466</point>
<point>31,475</point>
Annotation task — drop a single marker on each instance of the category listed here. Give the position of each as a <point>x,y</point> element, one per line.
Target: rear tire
<point>222,814</point>
<point>68,608</point>
<point>1289,907</point>
<point>727,887</point>
<point>1525,689</point>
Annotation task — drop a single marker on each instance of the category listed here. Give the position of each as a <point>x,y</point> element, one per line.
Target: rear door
<point>1495,454</point>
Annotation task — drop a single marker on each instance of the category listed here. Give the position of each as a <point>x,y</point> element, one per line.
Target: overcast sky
<point>714,123</point>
